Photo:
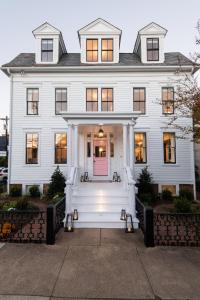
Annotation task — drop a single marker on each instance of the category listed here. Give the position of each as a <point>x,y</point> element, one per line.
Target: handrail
<point>130,187</point>
<point>71,183</point>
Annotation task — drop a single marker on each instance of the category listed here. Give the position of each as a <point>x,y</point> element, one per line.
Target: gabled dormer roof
<point>150,29</point>
<point>99,26</point>
<point>48,29</point>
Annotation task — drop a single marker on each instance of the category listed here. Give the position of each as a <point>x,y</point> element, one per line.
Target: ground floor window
<point>169,145</point>
<point>140,147</point>
<point>32,148</point>
<point>169,187</point>
<point>60,148</point>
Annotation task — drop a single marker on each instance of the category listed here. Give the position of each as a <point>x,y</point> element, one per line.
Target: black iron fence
<point>177,229</point>
<point>23,226</point>
<point>32,226</point>
<point>55,216</point>
<point>168,229</point>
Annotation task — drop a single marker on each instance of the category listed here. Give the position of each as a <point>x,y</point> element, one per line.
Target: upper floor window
<point>92,50</point>
<point>107,50</point>
<point>107,99</point>
<point>168,100</point>
<point>140,147</point>
<point>61,100</point>
<point>169,145</point>
<point>32,101</point>
<point>92,99</point>
<point>139,99</point>
<point>32,148</point>
<point>152,49</point>
<point>60,148</point>
<point>47,50</point>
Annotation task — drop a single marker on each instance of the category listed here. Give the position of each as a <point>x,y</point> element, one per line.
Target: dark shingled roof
<point>125,59</point>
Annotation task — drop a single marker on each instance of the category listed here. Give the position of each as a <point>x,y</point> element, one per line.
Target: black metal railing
<point>22,226</point>
<point>55,216</point>
<point>145,215</point>
<point>177,229</point>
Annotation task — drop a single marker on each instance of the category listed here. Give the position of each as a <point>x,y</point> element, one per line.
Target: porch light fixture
<point>129,224</point>
<point>75,215</point>
<point>123,215</point>
<point>101,133</point>
<point>69,223</point>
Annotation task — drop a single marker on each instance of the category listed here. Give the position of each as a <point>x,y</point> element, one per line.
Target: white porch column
<point>69,145</point>
<point>76,146</point>
<point>131,146</point>
<point>125,145</point>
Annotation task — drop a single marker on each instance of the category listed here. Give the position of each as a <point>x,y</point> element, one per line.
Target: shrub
<point>22,204</point>
<point>8,204</point>
<point>145,185</point>
<point>15,191</point>
<point>1,188</point>
<point>182,205</point>
<point>185,193</point>
<point>34,191</point>
<point>146,198</point>
<point>57,183</point>
<point>167,195</point>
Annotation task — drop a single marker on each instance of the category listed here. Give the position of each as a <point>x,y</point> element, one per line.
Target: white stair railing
<point>131,189</point>
<point>71,183</point>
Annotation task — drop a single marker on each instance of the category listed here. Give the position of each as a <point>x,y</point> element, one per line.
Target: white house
<point>97,111</point>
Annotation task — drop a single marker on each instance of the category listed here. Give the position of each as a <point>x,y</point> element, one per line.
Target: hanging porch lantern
<point>129,224</point>
<point>75,215</point>
<point>69,223</point>
<point>123,215</point>
<point>100,133</point>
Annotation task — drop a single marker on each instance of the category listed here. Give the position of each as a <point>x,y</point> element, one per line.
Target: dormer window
<point>107,50</point>
<point>92,50</point>
<point>152,49</point>
<point>47,50</point>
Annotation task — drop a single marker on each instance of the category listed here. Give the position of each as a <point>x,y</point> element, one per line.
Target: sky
<point>19,17</point>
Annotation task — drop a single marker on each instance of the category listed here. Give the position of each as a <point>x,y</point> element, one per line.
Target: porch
<point>103,150</point>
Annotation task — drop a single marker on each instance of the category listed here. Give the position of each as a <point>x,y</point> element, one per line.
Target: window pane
<point>169,147</point>
<point>107,50</point>
<point>32,148</point>
<point>60,148</point>
<point>104,45</point>
<point>140,147</point>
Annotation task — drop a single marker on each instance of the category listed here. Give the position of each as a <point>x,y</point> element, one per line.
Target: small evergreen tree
<point>145,186</point>
<point>57,183</point>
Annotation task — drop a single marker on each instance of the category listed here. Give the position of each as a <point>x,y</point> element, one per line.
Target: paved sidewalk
<point>98,264</point>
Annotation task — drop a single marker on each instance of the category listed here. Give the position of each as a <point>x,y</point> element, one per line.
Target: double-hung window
<point>139,99</point>
<point>152,49</point>
<point>32,148</point>
<point>91,99</point>
<point>107,50</point>
<point>32,101</point>
<point>61,100</point>
<point>107,99</point>
<point>140,148</point>
<point>60,148</point>
<point>47,50</point>
<point>169,147</point>
<point>91,50</point>
<point>168,100</point>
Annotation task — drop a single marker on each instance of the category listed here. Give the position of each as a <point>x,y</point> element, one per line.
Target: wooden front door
<point>100,158</point>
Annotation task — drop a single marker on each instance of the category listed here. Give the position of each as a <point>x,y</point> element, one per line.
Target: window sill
<point>60,165</point>
<point>32,165</point>
<point>32,116</point>
<point>171,165</point>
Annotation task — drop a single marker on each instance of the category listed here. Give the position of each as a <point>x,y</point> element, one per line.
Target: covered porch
<point>100,146</point>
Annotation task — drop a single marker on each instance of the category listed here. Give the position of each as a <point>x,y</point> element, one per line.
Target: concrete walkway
<point>98,264</point>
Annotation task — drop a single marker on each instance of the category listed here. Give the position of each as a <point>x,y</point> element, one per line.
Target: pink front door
<point>100,158</point>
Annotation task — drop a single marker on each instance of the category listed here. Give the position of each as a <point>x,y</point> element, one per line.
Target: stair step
<point>99,208</point>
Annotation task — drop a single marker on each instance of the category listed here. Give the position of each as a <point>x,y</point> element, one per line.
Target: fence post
<point>149,227</point>
<point>50,234</point>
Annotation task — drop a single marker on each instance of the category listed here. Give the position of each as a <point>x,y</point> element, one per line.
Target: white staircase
<point>99,204</point>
